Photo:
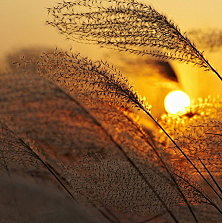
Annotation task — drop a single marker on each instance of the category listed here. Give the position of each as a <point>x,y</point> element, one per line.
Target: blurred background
<point>23,25</point>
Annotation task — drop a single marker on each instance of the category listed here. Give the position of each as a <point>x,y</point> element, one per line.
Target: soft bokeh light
<point>176,101</point>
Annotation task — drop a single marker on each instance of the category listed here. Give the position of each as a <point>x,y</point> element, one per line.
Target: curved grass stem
<point>183,153</point>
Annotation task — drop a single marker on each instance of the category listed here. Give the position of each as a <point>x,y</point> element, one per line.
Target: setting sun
<point>176,101</point>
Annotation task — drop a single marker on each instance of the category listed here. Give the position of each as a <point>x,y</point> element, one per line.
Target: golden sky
<point>22,25</point>
<point>22,22</point>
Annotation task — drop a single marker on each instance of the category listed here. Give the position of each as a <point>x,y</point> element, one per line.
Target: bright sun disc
<point>176,101</point>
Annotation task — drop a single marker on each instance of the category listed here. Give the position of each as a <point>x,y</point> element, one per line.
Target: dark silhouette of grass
<point>211,176</point>
<point>108,83</point>
<point>127,26</point>
<point>97,85</point>
<point>73,115</point>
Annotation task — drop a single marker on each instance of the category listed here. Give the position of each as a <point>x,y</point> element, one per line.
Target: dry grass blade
<point>211,176</point>
<point>82,79</point>
<point>29,189</point>
<point>80,150</point>
<point>192,136</point>
<point>127,26</point>
<point>193,128</point>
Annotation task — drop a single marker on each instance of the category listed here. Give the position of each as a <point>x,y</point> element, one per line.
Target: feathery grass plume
<point>65,70</point>
<point>207,39</point>
<point>125,25</point>
<point>65,67</point>
<point>83,78</point>
<point>27,184</point>
<point>70,71</point>
<point>81,152</point>
<point>198,133</point>
<point>119,122</point>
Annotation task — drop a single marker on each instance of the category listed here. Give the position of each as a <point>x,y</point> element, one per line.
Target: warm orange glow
<point>176,101</point>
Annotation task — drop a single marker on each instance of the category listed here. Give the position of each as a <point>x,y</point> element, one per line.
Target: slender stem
<point>48,167</point>
<point>184,154</point>
<point>197,52</point>
<point>212,177</point>
<point>215,71</point>
<point>152,145</point>
<point>208,64</point>
<point>116,220</point>
<point>175,182</point>
<point>107,216</point>
<point>152,218</point>
<point>133,164</point>
<point>208,199</point>
<point>206,61</point>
